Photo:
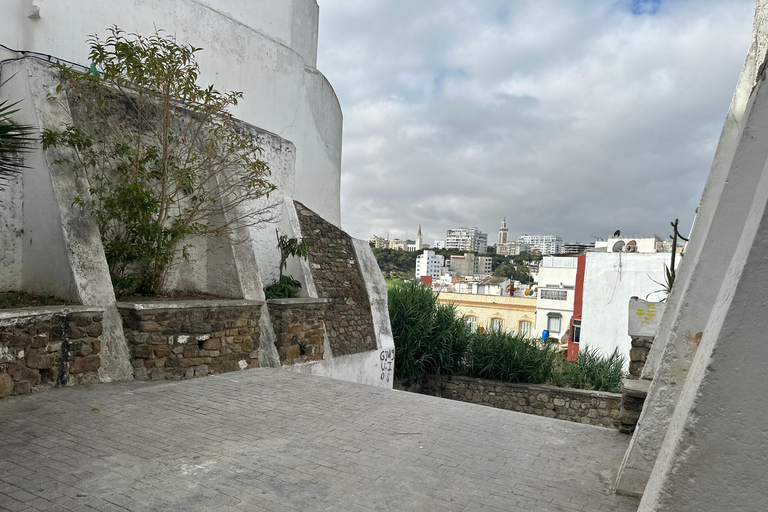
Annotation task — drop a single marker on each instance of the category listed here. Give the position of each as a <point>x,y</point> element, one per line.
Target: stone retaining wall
<point>589,407</point>
<point>337,277</point>
<point>298,325</point>
<point>47,347</point>
<point>186,339</point>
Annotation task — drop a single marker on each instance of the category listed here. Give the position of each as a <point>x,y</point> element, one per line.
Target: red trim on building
<point>578,303</point>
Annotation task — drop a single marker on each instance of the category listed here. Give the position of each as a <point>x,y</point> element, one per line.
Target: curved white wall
<point>264,48</point>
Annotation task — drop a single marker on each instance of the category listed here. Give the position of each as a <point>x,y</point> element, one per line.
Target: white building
<point>439,244</point>
<point>417,245</point>
<point>378,242</point>
<point>557,283</point>
<point>467,239</point>
<point>547,244</point>
<point>641,244</point>
<point>430,264</point>
<point>511,248</point>
<point>610,280</point>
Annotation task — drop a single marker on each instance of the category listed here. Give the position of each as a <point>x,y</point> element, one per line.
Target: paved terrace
<point>275,440</point>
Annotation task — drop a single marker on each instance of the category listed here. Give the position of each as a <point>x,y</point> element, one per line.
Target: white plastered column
<point>723,209</point>
<point>715,452</point>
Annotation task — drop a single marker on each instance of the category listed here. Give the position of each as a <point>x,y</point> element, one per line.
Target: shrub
<point>285,288</point>
<point>592,371</point>
<point>502,356</point>
<point>164,159</point>
<point>429,339</point>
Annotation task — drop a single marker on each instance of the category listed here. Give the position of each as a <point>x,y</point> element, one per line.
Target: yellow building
<point>510,314</point>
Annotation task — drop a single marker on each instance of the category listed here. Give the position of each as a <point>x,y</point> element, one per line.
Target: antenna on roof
<point>617,233</point>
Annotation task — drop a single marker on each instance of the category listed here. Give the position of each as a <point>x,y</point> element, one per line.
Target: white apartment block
<point>429,264</point>
<point>466,239</point>
<point>470,264</point>
<point>511,248</point>
<point>547,244</point>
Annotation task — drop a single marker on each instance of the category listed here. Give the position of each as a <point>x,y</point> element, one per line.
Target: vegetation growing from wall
<point>287,287</point>
<point>164,159</point>
<point>431,340</point>
<point>15,139</point>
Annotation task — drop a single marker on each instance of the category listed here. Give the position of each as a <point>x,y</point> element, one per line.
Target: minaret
<point>503,231</point>
<point>418,239</point>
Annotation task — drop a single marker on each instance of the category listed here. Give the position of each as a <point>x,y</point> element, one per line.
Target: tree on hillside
<point>515,272</point>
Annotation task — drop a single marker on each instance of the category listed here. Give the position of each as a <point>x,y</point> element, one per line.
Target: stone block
<point>212,344</point>
<point>94,330</point>
<point>142,351</point>
<point>6,385</point>
<point>38,360</point>
<point>629,417</point>
<point>86,364</point>
<point>291,353</point>
<point>150,326</point>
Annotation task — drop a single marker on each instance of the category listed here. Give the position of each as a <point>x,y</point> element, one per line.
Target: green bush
<point>591,371</point>
<point>429,339</point>
<point>502,356</point>
<point>285,288</point>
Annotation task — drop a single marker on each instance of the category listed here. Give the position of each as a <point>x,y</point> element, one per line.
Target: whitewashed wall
<point>610,280</point>
<point>265,48</point>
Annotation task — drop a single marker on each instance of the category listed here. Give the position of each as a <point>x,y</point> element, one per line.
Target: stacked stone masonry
<point>638,354</point>
<point>581,406</point>
<point>298,325</point>
<point>337,277</point>
<point>186,339</point>
<point>52,348</point>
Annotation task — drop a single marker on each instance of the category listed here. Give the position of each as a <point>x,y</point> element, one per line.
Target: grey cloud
<point>572,118</point>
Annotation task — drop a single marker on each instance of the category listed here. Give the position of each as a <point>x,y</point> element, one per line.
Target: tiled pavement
<point>276,440</point>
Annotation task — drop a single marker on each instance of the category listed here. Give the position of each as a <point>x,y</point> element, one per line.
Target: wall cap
<point>531,387</point>
<point>45,311</point>
<point>186,304</point>
<point>297,301</point>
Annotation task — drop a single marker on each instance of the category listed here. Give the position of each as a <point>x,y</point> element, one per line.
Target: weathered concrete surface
<point>267,439</point>
<point>724,208</point>
<point>715,451</point>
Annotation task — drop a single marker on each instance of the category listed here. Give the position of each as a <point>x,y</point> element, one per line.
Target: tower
<point>418,239</point>
<point>503,231</point>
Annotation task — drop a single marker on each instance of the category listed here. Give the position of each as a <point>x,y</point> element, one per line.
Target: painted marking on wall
<point>647,314</point>
<point>387,364</point>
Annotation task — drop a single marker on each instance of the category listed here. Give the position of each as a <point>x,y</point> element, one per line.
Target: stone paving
<point>267,439</point>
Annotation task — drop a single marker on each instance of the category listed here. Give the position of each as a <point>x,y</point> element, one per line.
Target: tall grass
<point>429,339</point>
<point>501,356</point>
<point>591,371</point>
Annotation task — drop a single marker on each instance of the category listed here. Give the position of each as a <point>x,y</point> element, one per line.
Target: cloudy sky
<point>569,117</point>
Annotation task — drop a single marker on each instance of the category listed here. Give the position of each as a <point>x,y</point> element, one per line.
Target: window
<point>525,329</point>
<point>553,322</point>
<point>471,322</point>
<point>554,294</point>
<point>497,324</point>
<point>576,334</point>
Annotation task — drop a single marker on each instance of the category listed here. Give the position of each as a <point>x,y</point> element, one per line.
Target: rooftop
<point>269,439</point>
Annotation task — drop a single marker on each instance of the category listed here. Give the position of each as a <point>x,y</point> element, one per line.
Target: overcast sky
<point>572,118</point>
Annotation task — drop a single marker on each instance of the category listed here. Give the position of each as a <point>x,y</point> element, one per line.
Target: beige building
<point>510,314</point>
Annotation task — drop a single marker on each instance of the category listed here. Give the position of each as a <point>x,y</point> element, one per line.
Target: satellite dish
<point>618,246</point>
<point>617,233</point>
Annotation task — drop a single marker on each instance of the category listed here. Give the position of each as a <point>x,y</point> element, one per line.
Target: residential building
<point>439,244</point>
<point>641,244</point>
<point>577,247</point>
<point>466,239</point>
<point>557,283</point>
<point>609,281</point>
<point>470,264</point>
<point>516,315</point>
<point>511,248</point>
<point>545,244</point>
<point>378,242</point>
<point>430,264</point>
<point>399,245</point>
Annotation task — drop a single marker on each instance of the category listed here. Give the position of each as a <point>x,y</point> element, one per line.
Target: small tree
<point>164,159</point>
<point>287,287</point>
<point>15,139</point>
